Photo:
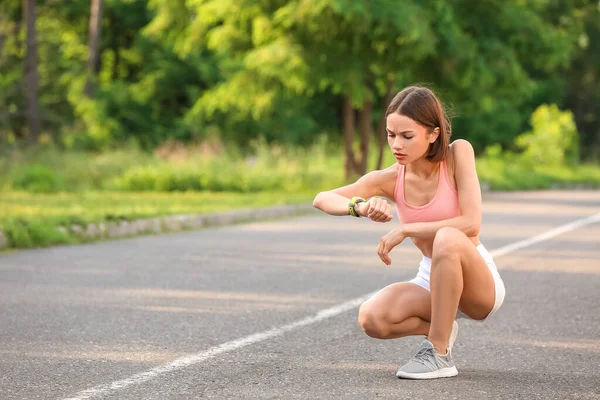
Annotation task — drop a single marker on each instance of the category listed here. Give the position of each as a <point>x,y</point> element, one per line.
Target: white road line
<point>320,316</point>
<point>546,235</point>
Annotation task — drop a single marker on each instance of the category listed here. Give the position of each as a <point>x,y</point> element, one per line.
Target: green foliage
<point>548,158</point>
<point>262,168</point>
<point>165,179</point>
<point>510,172</point>
<point>277,55</point>
<point>553,140</point>
<point>489,62</point>
<point>50,169</point>
<point>280,69</point>
<point>267,169</point>
<point>37,179</point>
<point>33,220</point>
<point>582,77</point>
<point>27,233</point>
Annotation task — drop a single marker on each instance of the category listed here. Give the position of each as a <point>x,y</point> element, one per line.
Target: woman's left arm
<point>469,198</point>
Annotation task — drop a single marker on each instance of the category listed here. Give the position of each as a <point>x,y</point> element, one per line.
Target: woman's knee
<point>447,243</point>
<point>372,322</point>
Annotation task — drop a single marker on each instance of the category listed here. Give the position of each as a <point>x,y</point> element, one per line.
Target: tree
<point>289,70</point>
<point>354,50</point>
<point>491,58</point>
<point>30,77</point>
<point>11,65</point>
<point>310,49</point>
<point>583,78</point>
<point>94,45</point>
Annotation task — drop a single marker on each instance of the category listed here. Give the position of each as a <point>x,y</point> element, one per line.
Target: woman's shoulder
<point>461,154</point>
<point>461,151</point>
<point>385,179</point>
<point>460,147</point>
<point>390,173</point>
<point>391,170</point>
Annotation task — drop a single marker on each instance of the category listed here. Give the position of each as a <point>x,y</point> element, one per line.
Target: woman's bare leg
<point>398,310</point>
<point>459,277</point>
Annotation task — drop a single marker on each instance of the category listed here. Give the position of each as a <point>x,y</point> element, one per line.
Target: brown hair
<point>422,105</point>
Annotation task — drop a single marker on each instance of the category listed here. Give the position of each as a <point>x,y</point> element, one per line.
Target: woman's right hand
<point>376,209</point>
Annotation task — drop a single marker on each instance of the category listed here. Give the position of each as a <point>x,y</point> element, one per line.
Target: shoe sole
<point>440,373</point>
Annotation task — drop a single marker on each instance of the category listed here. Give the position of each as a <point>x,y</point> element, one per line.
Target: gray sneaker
<point>427,364</point>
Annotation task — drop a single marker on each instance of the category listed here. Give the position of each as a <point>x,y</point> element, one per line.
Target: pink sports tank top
<point>444,204</point>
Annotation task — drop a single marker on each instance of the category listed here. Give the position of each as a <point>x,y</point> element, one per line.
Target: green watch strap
<point>352,204</point>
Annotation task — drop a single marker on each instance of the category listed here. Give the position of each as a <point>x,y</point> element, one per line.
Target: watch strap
<point>352,206</point>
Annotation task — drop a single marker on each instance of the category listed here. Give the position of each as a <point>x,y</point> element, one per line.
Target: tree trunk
<point>350,164</point>
<point>365,119</point>
<point>94,46</point>
<point>4,119</point>
<point>381,133</point>
<point>31,79</point>
<point>3,34</point>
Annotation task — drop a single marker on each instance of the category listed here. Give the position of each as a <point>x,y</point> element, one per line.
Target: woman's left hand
<point>388,242</point>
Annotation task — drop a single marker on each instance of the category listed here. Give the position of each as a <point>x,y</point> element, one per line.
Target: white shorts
<point>423,277</point>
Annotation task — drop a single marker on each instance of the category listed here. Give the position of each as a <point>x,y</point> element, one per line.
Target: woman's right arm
<point>335,202</point>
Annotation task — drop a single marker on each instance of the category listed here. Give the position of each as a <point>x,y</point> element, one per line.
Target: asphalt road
<point>175,316</point>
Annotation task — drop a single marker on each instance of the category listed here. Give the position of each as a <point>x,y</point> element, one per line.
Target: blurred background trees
<point>106,105</point>
<point>95,75</point>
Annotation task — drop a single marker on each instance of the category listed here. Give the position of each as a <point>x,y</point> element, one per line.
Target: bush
<point>213,177</point>
<point>24,233</point>
<point>553,139</point>
<point>38,179</point>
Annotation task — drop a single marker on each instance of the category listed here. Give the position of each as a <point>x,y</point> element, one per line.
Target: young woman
<point>436,190</point>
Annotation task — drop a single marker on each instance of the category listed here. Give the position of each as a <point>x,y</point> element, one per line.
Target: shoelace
<point>426,356</point>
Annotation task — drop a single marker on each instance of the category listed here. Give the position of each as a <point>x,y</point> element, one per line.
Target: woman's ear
<point>434,135</point>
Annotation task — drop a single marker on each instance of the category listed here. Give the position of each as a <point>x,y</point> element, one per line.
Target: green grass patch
<point>514,175</point>
<point>31,220</point>
<point>174,169</point>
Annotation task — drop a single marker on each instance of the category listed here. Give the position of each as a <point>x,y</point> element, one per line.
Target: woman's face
<point>408,139</point>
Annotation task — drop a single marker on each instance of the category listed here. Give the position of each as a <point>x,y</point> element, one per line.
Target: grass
<point>174,169</point>
<point>43,190</point>
<point>31,220</point>
<point>510,174</point>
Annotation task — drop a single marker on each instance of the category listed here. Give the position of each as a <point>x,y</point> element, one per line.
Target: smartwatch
<point>352,204</point>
